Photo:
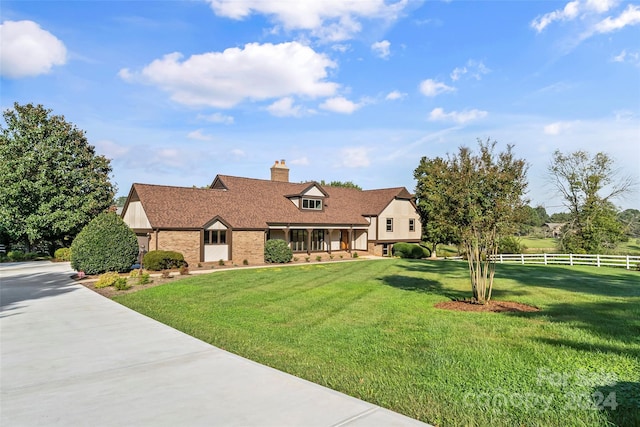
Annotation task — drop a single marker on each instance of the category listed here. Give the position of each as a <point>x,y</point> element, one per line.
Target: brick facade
<point>248,245</point>
<point>185,242</point>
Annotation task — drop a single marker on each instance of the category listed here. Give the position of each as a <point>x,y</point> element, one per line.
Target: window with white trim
<point>412,224</point>
<point>389,225</point>
<point>314,204</point>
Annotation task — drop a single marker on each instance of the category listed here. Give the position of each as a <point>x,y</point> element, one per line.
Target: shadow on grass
<point>620,401</point>
<point>604,281</point>
<point>615,321</point>
<point>418,284</point>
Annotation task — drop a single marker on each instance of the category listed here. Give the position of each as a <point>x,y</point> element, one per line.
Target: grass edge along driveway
<point>370,329</point>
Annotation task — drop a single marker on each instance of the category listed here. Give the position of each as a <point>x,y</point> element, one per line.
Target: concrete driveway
<point>72,357</point>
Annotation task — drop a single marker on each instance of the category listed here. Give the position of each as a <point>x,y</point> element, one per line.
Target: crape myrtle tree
<point>589,185</point>
<point>52,183</point>
<point>478,199</point>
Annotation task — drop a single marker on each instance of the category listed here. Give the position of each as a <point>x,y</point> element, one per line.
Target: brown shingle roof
<point>248,203</point>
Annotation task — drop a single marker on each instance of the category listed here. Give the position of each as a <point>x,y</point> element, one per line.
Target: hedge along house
<point>232,219</point>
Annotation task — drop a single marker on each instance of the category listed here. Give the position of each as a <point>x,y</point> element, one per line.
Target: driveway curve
<point>72,357</point>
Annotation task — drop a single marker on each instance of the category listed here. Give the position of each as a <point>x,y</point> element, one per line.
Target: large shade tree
<point>477,198</point>
<point>589,185</point>
<point>431,175</point>
<point>52,182</point>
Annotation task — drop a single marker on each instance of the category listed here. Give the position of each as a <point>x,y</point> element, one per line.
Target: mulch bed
<point>491,306</point>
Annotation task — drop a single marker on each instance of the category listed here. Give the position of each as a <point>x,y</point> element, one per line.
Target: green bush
<point>105,244</point>
<point>15,255</point>
<point>410,250</point>
<point>162,260</point>
<point>510,245</point>
<point>110,279</point>
<point>30,256</point>
<point>122,284</point>
<point>277,251</point>
<point>62,254</point>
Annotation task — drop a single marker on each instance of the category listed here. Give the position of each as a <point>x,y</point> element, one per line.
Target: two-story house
<point>234,217</point>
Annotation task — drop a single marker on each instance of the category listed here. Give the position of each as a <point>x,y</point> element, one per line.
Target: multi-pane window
<point>215,237</point>
<point>389,224</point>
<point>315,204</point>
<point>412,224</point>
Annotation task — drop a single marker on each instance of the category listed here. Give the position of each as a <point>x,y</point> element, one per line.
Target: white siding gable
<point>313,192</point>
<point>135,216</point>
<point>400,211</point>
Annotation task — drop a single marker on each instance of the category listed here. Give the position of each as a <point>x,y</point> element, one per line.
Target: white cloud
<point>473,68</point>
<point>569,12</point>
<point>354,157</point>
<point>392,96</point>
<point>111,150</point>
<point>432,88</point>
<point>340,104</point>
<point>382,49</point>
<point>329,20</point>
<point>236,152</point>
<point>302,161</point>
<point>340,47</point>
<point>26,50</point>
<point>438,114</point>
<point>199,136</point>
<point>255,72</point>
<point>630,16</point>
<point>458,72</point>
<point>557,128</point>
<point>582,8</point>
<point>217,118</point>
<point>285,108</point>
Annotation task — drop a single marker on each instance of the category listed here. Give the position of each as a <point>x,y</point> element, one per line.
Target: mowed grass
<point>370,329</point>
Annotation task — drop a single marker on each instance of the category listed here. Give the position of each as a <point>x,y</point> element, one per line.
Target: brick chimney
<point>280,172</point>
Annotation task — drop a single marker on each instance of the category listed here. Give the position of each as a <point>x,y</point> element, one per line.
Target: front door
<point>344,240</point>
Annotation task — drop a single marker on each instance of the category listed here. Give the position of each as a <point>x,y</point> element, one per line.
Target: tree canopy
<point>477,198</point>
<point>52,182</point>
<point>589,185</point>
<point>343,184</point>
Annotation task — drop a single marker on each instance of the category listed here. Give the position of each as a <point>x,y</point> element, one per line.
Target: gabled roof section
<point>217,184</point>
<point>248,203</point>
<point>310,189</point>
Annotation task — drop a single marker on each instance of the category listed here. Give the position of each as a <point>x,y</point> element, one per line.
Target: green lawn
<point>370,329</point>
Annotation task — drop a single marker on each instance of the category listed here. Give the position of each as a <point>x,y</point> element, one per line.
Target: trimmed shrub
<point>277,251</point>
<point>510,245</point>
<point>15,255</point>
<point>144,278</point>
<point>163,260</point>
<point>62,254</point>
<point>410,250</point>
<point>105,244</point>
<point>110,279</point>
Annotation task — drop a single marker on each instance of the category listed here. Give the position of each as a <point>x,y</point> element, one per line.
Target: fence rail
<point>627,261</point>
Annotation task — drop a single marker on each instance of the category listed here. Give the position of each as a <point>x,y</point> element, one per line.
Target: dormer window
<point>314,204</point>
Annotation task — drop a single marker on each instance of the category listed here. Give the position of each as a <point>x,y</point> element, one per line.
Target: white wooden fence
<point>627,261</point>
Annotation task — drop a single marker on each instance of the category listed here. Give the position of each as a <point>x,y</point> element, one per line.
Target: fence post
<point>500,258</point>
<point>598,260</point>
<point>545,258</point>
<point>570,259</point>
<point>628,266</point>
<point>522,258</point>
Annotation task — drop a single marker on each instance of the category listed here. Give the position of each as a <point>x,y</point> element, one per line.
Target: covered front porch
<point>316,239</point>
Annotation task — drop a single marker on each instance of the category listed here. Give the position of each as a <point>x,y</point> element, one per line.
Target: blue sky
<point>175,92</point>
